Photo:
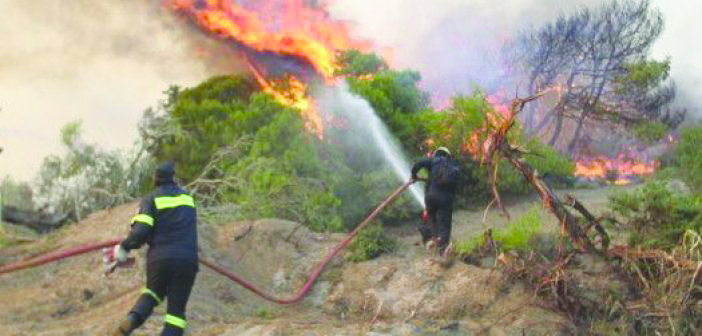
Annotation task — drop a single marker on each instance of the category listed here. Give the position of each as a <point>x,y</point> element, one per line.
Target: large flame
<point>294,95</point>
<point>296,30</point>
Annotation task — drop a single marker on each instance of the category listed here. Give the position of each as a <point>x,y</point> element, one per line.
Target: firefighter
<point>167,223</point>
<point>440,192</point>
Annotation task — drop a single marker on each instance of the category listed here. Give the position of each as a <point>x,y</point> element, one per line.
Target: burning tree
<point>594,62</point>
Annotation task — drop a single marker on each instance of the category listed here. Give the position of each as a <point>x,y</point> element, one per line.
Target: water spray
<point>371,131</point>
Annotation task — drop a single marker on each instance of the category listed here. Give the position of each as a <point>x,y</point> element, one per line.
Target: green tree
<point>688,156</point>
<point>88,178</point>
<point>16,193</point>
<point>233,143</point>
<point>394,95</point>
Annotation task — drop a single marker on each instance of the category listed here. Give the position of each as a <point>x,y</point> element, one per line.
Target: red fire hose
<point>54,256</point>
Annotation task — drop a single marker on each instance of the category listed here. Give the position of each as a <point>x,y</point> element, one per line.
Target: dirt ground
<point>402,293</point>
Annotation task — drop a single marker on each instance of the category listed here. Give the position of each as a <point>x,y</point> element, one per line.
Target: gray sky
<point>106,61</point>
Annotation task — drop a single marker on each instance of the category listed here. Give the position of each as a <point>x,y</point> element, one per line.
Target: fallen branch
<point>513,154</point>
<point>34,220</point>
<point>594,222</point>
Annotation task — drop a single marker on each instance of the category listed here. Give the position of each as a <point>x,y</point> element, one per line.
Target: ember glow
<point>297,31</point>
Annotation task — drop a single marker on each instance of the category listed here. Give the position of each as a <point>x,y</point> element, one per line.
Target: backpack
<point>446,173</point>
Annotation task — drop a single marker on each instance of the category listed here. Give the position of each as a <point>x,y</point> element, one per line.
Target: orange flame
<point>296,30</point>
<point>478,143</point>
<point>294,97</point>
<point>304,32</point>
<point>599,167</point>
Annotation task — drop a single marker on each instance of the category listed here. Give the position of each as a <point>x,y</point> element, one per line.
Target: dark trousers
<point>440,211</point>
<point>170,280</point>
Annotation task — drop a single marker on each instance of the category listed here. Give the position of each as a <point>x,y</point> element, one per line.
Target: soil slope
<point>402,293</point>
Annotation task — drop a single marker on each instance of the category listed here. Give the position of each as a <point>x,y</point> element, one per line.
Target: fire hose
<point>72,252</point>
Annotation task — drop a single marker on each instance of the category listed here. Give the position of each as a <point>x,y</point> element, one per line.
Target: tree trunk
<point>559,124</point>
<point>576,135</point>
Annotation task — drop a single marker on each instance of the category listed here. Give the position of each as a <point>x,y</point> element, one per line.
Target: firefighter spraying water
<point>440,192</point>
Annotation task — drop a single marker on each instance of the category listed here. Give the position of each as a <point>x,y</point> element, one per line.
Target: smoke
<point>681,28</point>
<point>456,44</point>
<point>100,61</point>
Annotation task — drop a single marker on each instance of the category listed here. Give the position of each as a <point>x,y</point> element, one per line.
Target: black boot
<point>128,325</point>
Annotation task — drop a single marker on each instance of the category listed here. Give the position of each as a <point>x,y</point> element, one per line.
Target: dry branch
<point>499,144</point>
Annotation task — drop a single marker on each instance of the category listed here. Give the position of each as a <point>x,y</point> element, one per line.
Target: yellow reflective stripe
<point>152,294</point>
<point>176,321</point>
<point>143,218</point>
<point>163,202</point>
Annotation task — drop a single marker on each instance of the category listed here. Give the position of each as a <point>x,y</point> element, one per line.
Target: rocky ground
<point>403,293</point>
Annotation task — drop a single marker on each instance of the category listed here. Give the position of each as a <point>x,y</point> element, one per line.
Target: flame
<point>295,97</point>
<point>478,143</point>
<point>307,33</point>
<point>295,30</point>
<point>625,167</point>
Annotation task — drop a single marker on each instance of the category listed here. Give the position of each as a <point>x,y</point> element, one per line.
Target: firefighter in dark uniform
<point>167,223</point>
<point>438,199</point>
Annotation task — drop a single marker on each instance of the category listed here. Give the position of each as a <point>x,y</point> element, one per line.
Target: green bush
<point>688,156</point>
<point>658,215</point>
<point>87,178</point>
<point>547,160</point>
<point>264,160</point>
<point>3,235</point>
<point>518,234</point>
<point>394,95</point>
<point>15,193</point>
<point>651,132</point>
<point>370,243</point>
<point>469,244</point>
<point>466,118</point>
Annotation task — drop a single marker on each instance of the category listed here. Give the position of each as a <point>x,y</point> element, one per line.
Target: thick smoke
<point>679,42</point>
<point>456,44</point>
<point>100,61</point>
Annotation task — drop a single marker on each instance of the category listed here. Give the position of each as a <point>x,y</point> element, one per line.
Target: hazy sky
<point>106,61</point>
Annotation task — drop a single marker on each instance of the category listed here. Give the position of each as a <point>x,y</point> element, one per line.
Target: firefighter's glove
<point>119,253</point>
<point>115,257</point>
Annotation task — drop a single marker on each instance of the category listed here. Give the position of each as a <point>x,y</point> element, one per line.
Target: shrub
<point>688,156</point>
<point>470,244</point>
<point>17,194</point>
<point>3,235</point>
<point>518,234</point>
<point>234,144</point>
<point>89,178</point>
<point>463,125</point>
<point>371,243</point>
<point>394,95</point>
<point>650,132</point>
<point>658,215</point>
<point>547,160</point>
